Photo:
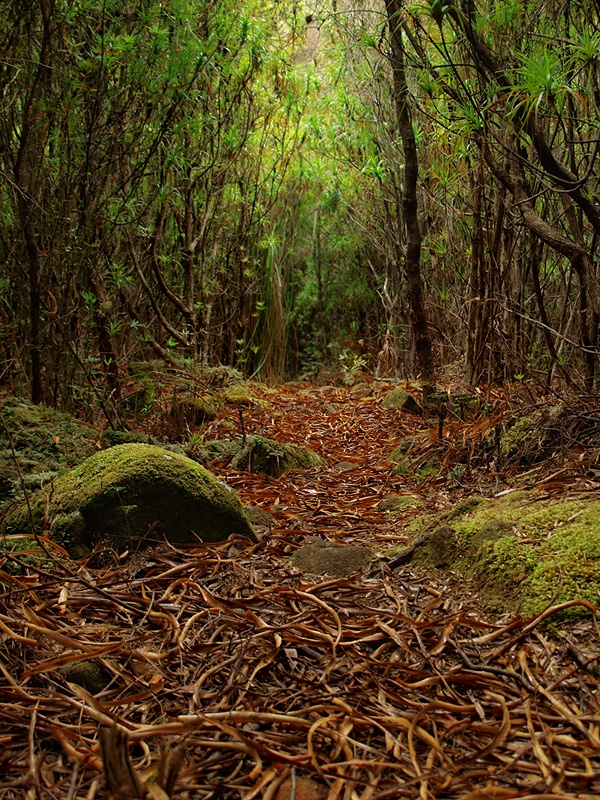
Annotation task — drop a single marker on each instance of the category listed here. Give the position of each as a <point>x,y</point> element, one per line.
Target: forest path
<point>288,686</point>
<point>355,435</point>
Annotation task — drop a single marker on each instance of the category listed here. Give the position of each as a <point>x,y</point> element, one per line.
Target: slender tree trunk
<point>26,173</point>
<point>475,332</point>
<point>410,206</point>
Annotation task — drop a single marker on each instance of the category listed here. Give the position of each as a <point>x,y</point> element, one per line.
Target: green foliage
<point>219,183</point>
<point>539,81</point>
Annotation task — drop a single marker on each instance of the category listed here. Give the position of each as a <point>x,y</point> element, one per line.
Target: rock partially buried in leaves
<point>442,546</point>
<point>237,395</point>
<point>301,789</point>
<point>192,411</point>
<point>400,398</point>
<point>396,503</point>
<point>89,674</point>
<point>260,517</point>
<point>114,437</point>
<point>331,558</point>
<point>261,455</point>
<point>118,495</point>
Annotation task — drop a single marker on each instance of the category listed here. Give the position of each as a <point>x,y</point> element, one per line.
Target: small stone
<point>401,399</point>
<point>396,503</point>
<point>331,558</point>
<point>237,396</point>
<point>343,466</point>
<point>92,676</point>
<point>262,455</point>
<point>442,546</point>
<point>259,516</point>
<point>305,789</point>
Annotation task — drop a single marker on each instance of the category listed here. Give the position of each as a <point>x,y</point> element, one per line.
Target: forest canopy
<point>277,187</point>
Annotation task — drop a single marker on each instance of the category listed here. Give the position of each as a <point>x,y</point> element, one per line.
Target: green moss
<point>193,411</point>
<point>400,399</point>
<point>237,395</point>
<point>518,438</point>
<point>36,441</point>
<point>522,553</point>
<point>529,437</point>
<point>131,489</point>
<point>498,569</point>
<point>262,455</point>
<point>492,531</point>
<point>396,503</point>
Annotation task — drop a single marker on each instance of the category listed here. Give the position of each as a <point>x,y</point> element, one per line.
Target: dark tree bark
<point>410,206</point>
<point>26,167</point>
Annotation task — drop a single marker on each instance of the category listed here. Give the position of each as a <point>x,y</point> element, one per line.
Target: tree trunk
<point>410,206</point>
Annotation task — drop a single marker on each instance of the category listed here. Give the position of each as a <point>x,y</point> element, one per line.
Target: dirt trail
<point>355,435</point>
<point>370,686</point>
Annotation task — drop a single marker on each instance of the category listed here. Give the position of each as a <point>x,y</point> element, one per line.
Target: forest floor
<point>229,674</point>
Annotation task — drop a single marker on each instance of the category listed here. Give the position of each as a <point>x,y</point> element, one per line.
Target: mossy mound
<point>93,676</point>
<point>37,443</point>
<point>397,503</point>
<point>189,412</point>
<point>331,559</point>
<point>521,553</point>
<point>261,455</point>
<point>540,434</point>
<point>118,495</point>
<point>401,399</point>
<point>238,395</point>
<point>114,438</point>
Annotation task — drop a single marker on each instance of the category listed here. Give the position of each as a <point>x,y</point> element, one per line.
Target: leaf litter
<point>229,674</point>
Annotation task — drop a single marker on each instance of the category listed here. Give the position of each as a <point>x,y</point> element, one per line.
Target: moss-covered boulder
<point>36,443</point>
<point>529,439</point>
<point>520,552</point>
<point>261,455</point>
<point>238,395</point>
<point>134,493</point>
<point>401,399</point>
